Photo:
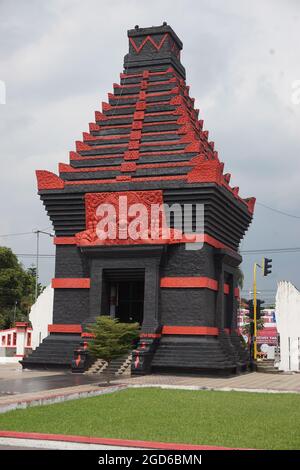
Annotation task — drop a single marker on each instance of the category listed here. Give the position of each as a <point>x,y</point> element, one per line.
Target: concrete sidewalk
<point>252,382</point>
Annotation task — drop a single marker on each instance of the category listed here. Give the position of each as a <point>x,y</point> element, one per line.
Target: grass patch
<point>233,419</point>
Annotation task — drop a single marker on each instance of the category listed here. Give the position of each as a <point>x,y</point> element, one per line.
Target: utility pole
<point>37,232</point>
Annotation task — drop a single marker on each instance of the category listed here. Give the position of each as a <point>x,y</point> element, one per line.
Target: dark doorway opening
<point>130,301</point>
<point>125,294</point>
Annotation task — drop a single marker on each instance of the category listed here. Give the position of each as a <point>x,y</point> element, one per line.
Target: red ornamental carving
<point>156,45</point>
<point>131,155</point>
<point>135,135</point>
<point>134,145</point>
<point>250,203</point>
<point>80,146</point>
<point>136,125</point>
<point>48,180</point>
<point>106,106</point>
<point>121,201</point>
<point>193,147</point>
<point>64,168</point>
<point>138,115</point>
<point>205,171</point>
<point>100,116</point>
<point>128,166</point>
<point>87,136</point>
<point>93,127</point>
<point>140,106</point>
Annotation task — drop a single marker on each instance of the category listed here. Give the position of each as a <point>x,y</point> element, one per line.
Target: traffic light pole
<point>267,269</point>
<point>254,312</point>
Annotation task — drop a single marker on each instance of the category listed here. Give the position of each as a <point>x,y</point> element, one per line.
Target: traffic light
<point>267,266</point>
<point>259,308</point>
<point>251,309</point>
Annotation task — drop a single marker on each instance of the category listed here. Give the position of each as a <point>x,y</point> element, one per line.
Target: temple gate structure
<point>147,147</point>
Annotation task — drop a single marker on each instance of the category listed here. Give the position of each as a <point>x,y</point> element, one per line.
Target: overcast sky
<point>59,58</point>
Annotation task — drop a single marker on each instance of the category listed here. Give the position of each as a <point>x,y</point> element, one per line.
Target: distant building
<point>267,338</point>
<point>15,343</point>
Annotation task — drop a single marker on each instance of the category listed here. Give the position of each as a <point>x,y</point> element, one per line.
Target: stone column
<point>151,295</point>
<point>96,288</point>
<point>220,293</point>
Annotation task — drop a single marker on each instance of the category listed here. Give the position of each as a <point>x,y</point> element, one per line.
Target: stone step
<point>117,366</point>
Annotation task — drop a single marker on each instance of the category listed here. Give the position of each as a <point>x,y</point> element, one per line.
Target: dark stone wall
<point>187,307</point>
<point>70,262</point>
<point>183,263</point>
<point>70,306</point>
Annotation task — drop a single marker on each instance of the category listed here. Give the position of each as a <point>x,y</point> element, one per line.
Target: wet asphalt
<point>38,384</point>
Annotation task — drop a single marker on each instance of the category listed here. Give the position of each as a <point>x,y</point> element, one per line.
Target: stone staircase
<point>267,366</point>
<point>118,367</point>
<point>55,351</point>
<point>192,354</point>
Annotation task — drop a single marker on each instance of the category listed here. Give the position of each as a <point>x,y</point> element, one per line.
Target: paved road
<point>25,384</point>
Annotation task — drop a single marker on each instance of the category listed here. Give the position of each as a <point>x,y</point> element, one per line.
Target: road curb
<point>110,442</point>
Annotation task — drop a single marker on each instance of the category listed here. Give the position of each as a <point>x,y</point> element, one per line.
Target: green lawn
<point>240,419</point>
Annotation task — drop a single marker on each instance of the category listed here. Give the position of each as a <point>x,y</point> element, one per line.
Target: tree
<point>112,339</point>
<point>17,287</point>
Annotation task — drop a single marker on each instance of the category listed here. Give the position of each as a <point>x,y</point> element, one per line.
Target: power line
<point>278,211</point>
<point>244,252</point>
<point>271,250</point>
<point>16,234</point>
<point>33,255</point>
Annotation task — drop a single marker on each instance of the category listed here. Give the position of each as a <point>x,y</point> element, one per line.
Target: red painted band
<point>201,237</point>
<point>71,283</point>
<point>57,328</point>
<point>64,241</point>
<point>21,324</point>
<point>189,282</point>
<point>226,288</point>
<point>190,330</point>
<point>237,292</point>
<point>108,441</point>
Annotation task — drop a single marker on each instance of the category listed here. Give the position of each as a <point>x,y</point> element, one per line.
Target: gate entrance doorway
<point>125,294</point>
<point>130,301</point>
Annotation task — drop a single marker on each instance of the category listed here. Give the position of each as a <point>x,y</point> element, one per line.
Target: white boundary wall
<point>288,325</point>
<point>41,315</point>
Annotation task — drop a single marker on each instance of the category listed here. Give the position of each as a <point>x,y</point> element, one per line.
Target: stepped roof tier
<point>148,135</point>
